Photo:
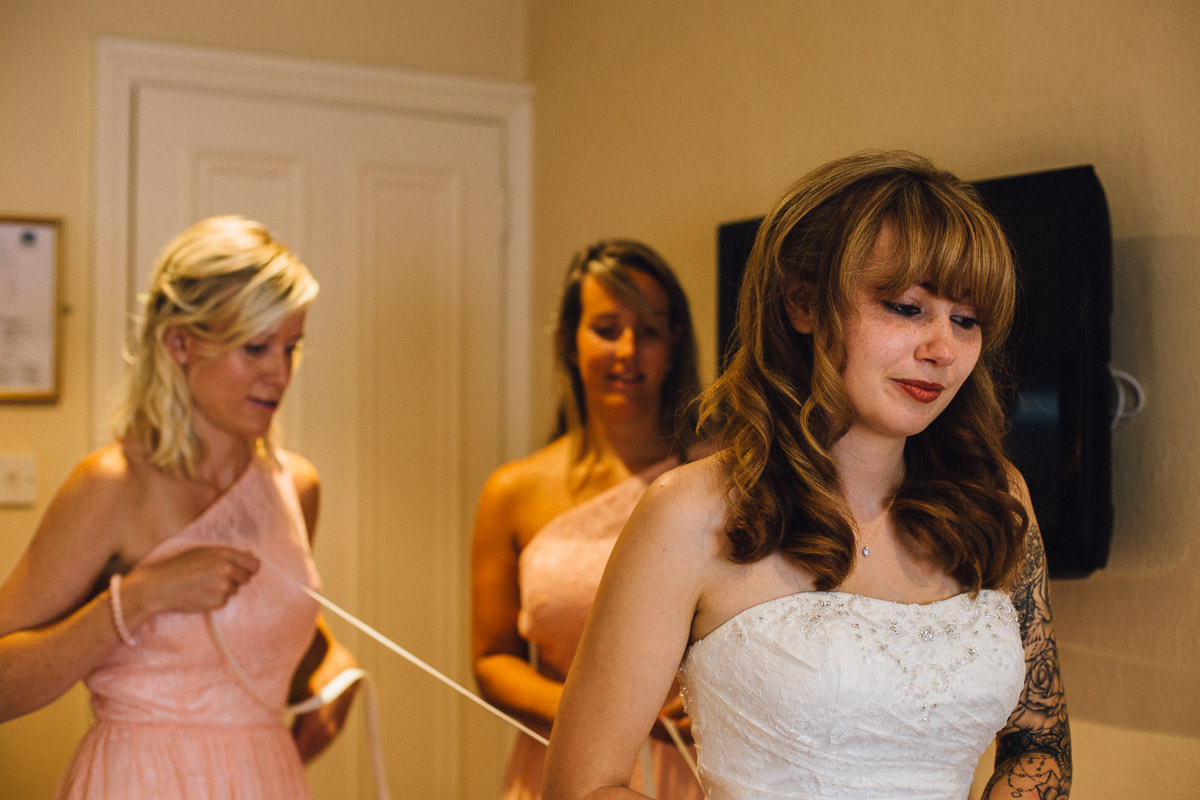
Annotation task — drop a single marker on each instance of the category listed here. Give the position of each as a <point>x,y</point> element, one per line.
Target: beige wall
<point>46,168</point>
<point>661,120</point>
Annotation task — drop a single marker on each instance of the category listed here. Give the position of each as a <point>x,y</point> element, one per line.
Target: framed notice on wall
<point>30,250</point>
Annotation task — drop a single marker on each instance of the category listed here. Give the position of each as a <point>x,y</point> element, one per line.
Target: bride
<point>853,588</point>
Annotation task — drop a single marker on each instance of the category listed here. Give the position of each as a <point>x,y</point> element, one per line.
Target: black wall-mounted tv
<point>1061,397</point>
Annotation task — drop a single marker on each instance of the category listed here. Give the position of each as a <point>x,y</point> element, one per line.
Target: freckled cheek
<point>873,335</point>
<point>882,350</point>
<point>969,356</point>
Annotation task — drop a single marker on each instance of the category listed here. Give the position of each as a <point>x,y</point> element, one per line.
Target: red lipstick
<point>921,391</point>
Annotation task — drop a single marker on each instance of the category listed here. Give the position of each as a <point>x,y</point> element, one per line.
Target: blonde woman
<point>146,576</point>
<point>625,354</point>
<point>852,588</point>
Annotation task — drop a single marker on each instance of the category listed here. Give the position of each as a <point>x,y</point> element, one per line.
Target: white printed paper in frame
<point>29,305</point>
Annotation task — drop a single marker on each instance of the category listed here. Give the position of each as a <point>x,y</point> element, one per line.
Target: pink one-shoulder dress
<point>172,719</point>
<point>559,571</point>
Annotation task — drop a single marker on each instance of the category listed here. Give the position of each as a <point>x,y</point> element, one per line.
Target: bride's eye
<point>902,309</point>
<point>964,321</point>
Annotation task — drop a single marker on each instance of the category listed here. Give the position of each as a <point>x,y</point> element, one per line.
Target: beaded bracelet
<point>114,598</point>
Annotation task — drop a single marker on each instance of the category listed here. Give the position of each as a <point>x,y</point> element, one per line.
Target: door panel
<point>401,219</point>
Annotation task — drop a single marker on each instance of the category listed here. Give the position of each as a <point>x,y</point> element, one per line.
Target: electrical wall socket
<point>18,481</point>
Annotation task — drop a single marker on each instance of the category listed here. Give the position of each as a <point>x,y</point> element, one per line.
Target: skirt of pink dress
<point>151,761</point>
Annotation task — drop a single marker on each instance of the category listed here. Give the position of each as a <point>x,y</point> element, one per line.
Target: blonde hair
<point>225,280</point>
<point>781,405</point>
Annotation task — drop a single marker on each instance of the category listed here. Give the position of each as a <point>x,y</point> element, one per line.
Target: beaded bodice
<point>830,696</point>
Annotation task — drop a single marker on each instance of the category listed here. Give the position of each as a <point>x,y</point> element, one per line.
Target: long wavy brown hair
<point>780,405</point>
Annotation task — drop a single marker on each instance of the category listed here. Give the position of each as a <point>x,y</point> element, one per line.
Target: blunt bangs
<point>947,242</point>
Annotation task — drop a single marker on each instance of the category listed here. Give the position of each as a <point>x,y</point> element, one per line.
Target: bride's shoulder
<point>700,483</point>
<point>686,505</point>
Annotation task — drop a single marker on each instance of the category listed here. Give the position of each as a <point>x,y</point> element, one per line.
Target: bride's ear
<point>798,300</point>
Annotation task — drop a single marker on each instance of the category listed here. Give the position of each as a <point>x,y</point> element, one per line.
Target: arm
<point>499,653</point>
<point>325,658</point>
<point>56,621</point>
<point>1033,751</point>
<point>633,644</point>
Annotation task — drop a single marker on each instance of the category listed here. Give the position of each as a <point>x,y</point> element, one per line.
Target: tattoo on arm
<point>1033,751</point>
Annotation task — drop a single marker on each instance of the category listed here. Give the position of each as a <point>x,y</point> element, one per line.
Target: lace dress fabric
<point>832,696</point>
<point>172,720</point>
<point>559,572</point>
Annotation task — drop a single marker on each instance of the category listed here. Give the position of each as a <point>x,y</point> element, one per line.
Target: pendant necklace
<point>866,548</point>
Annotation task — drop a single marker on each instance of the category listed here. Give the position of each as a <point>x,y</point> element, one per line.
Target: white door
<point>400,400</point>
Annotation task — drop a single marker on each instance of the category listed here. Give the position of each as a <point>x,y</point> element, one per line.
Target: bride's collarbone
<point>892,573</point>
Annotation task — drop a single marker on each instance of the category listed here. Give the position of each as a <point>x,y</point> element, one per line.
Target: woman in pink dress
<point>625,352</point>
<point>157,573</point>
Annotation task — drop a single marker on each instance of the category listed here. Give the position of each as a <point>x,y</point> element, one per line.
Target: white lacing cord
<point>372,701</point>
<point>407,656</point>
<point>649,785</point>
<point>327,694</point>
<point>330,691</point>
<point>681,746</point>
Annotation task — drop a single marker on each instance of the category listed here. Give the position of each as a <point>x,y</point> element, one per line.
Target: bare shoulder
<point>685,509</point>
<point>111,466</point>
<point>670,549</point>
<point>1032,572</point>
<point>104,482</point>
<point>531,473</point>
<point>696,489</point>
<point>85,531</point>
<point>303,473</point>
<point>528,490</point>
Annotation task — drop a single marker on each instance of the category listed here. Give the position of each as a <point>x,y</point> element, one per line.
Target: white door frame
<point>124,66</point>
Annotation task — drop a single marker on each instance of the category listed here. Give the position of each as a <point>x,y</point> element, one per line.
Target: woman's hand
<point>315,730</point>
<point>194,581</point>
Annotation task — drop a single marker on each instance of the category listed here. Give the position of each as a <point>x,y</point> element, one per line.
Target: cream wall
<point>661,120</point>
<point>46,168</point>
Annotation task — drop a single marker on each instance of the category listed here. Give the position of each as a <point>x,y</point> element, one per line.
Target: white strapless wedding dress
<point>833,696</point>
